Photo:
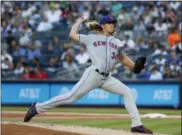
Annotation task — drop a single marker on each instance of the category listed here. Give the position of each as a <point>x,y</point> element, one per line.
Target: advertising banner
<point>24,93</point>
<point>144,94</point>
<point>155,94</point>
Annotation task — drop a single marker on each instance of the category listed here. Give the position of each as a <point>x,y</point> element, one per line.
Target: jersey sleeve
<point>85,39</point>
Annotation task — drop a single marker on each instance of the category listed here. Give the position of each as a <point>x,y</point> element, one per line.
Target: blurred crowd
<point>29,50</point>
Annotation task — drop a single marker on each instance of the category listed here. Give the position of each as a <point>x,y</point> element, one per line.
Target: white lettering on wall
<point>29,93</point>
<point>98,94</point>
<point>162,95</point>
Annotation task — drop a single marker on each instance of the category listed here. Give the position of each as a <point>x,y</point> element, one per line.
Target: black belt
<point>102,73</point>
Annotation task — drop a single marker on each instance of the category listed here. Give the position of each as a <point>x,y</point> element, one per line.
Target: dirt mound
<point>20,128</point>
<point>14,129</point>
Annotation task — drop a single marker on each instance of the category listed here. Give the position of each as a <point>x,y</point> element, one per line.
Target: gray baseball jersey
<point>102,49</point>
<point>103,52</point>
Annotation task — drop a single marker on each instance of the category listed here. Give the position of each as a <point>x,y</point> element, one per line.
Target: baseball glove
<point>139,65</point>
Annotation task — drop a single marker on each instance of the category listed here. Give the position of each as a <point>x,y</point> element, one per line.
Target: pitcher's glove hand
<point>139,65</point>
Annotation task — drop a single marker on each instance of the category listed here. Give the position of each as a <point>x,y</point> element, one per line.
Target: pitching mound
<point>14,129</point>
<point>19,128</point>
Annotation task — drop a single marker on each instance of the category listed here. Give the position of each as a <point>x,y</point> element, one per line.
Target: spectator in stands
<point>120,19</point>
<point>38,44</point>
<point>160,60</point>
<point>53,14</point>
<point>160,26</point>
<point>159,50</point>
<point>128,43</point>
<point>26,30</point>
<point>19,69</point>
<point>155,74</point>
<point>5,55</point>
<point>168,74</point>
<point>27,12</point>
<point>164,67</point>
<point>68,50</point>
<point>138,30</point>
<point>103,11</point>
<point>83,56</point>
<point>44,26</point>
<point>86,12</point>
<point>50,50</point>
<point>147,16</point>
<point>58,48</point>
<point>135,14</point>
<point>28,74</point>
<point>33,52</point>
<point>12,46</point>
<point>175,5</point>
<point>170,14</point>
<point>116,7</point>
<point>152,44</point>
<point>4,31</point>
<point>39,73</point>
<point>144,75</point>
<point>173,37</point>
<point>178,48</point>
<point>163,51</point>
<point>65,15</point>
<point>154,11</point>
<point>174,58</point>
<point>53,64</point>
<point>6,64</point>
<point>178,75</point>
<point>24,40</point>
<point>124,20</point>
<point>75,13</point>
<point>9,37</point>
<point>35,18</point>
<point>69,63</point>
<point>22,59</point>
<point>175,68</point>
<point>35,62</point>
<point>4,46</point>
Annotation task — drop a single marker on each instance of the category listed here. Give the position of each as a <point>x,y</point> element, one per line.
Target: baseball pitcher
<point>105,51</point>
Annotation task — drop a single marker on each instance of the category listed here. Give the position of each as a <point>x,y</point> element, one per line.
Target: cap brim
<point>114,21</point>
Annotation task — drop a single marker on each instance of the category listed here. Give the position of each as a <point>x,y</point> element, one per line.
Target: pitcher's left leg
<point>113,85</point>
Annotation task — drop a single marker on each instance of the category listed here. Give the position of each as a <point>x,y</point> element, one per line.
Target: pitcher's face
<point>109,28</point>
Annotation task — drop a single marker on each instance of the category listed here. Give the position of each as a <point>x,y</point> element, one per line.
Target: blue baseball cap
<point>107,19</point>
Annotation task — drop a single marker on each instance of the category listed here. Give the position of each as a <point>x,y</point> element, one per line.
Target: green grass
<point>160,126</point>
<point>100,110</point>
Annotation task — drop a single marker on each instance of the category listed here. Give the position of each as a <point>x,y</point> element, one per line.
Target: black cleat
<point>30,113</point>
<point>141,129</point>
